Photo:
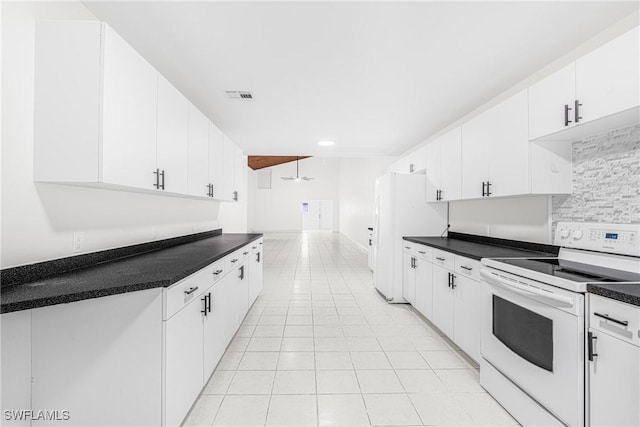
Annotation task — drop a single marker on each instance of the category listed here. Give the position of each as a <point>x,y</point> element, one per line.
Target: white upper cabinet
<point>443,167</point>
<point>199,183</point>
<point>239,164</point>
<point>216,161</point>
<point>416,161</point>
<point>228,163</point>
<point>495,151</point>
<point>608,79</point>
<point>104,117</point>
<point>129,100</point>
<point>173,131</point>
<point>598,92</point>
<point>547,100</point>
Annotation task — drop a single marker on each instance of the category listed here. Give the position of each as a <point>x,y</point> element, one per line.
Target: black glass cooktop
<point>574,271</point>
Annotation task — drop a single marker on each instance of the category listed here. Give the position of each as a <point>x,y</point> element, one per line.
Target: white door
<point>255,273</point>
<point>443,302</point>
<point>466,329</point>
<point>424,288</point>
<point>408,278</point>
<point>433,170</point>
<point>509,147</point>
<point>547,100</point>
<point>216,161</point>
<point>614,382</point>
<point>475,155</point>
<point>326,215</point>
<point>184,360</point>
<point>451,165</point>
<point>607,79</point>
<point>310,215</point>
<point>130,98</point>
<point>173,130</point>
<point>199,156</point>
<point>228,148</point>
<point>16,363</point>
<point>214,338</point>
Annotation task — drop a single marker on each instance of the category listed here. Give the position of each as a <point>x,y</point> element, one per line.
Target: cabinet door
<point>216,161</point>
<point>239,165</point>
<point>198,153</point>
<point>228,169</point>
<point>183,361</point>
<point>241,292</point>
<point>214,335</point>
<point>130,99</point>
<point>509,147</point>
<point>475,155</point>
<point>256,274</point>
<point>443,301</point>
<point>100,359</point>
<point>229,285</point>
<point>451,165</point>
<point>607,79</point>
<point>466,330</point>
<point>416,161</point>
<point>547,99</point>
<point>408,278</point>
<point>424,288</point>
<point>614,382</point>
<point>16,363</point>
<point>433,166</point>
<point>173,128</point>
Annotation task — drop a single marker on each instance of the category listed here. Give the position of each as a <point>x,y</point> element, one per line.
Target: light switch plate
<point>78,242</point>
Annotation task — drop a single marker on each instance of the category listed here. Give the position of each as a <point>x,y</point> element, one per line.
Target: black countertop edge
<point>627,292</point>
<point>179,261</point>
<point>78,296</point>
<point>516,244</point>
<point>41,270</point>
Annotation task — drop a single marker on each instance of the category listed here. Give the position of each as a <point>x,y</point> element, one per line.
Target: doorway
<point>317,215</point>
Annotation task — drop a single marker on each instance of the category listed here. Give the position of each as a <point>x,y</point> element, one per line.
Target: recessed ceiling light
<point>326,143</point>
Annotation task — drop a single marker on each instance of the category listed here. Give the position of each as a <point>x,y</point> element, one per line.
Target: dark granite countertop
<point>625,292</point>
<point>151,269</point>
<point>478,247</point>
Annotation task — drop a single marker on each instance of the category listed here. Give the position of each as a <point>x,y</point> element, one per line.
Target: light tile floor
<point>320,347</point>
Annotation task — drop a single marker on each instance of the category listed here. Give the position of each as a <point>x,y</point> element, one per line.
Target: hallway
<point>320,347</point>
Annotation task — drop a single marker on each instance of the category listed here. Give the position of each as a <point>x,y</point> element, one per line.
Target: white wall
<point>357,188</point>
<point>232,217</point>
<point>522,218</point>
<point>38,221</point>
<point>280,208</point>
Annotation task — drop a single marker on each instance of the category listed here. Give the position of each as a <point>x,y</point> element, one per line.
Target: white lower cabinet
<point>614,363</point>
<point>256,271</point>
<point>443,301</point>
<point>445,288</point>
<point>100,359</point>
<point>184,360</point>
<point>132,359</point>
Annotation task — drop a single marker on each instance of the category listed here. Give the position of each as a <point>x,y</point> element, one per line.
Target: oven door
<point>534,334</point>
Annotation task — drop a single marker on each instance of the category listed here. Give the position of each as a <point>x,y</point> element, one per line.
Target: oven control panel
<point>622,239</point>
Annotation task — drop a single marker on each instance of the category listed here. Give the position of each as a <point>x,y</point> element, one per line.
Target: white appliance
<point>400,210</point>
<point>533,321</point>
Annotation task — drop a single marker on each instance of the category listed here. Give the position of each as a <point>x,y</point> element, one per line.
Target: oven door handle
<point>495,280</point>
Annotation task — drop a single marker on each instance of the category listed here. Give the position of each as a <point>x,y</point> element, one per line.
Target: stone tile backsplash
<point>606,180</point>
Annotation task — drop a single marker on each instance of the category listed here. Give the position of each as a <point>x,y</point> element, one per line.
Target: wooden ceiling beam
<point>261,162</point>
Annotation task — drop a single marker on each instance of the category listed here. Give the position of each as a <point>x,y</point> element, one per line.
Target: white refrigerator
<point>400,209</point>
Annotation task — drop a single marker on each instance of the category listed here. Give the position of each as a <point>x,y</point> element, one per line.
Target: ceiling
<point>261,162</point>
<point>375,77</point>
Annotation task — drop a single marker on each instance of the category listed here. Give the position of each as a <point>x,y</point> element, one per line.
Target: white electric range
<point>533,323</point>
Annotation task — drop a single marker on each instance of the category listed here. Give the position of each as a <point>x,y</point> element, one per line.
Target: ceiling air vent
<point>238,94</point>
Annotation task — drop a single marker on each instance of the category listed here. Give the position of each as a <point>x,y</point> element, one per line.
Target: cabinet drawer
<point>186,290</point>
<point>218,270</point>
<point>442,258</point>
<point>423,252</point>
<point>408,247</point>
<point>236,258</point>
<point>608,316</point>
<point>467,267</point>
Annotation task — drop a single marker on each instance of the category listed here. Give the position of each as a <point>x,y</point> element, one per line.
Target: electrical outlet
<point>154,234</point>
<point>193,228</point>
<point>78,242</point>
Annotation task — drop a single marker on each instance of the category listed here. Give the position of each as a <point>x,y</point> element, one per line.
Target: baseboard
<point>361,247</point>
